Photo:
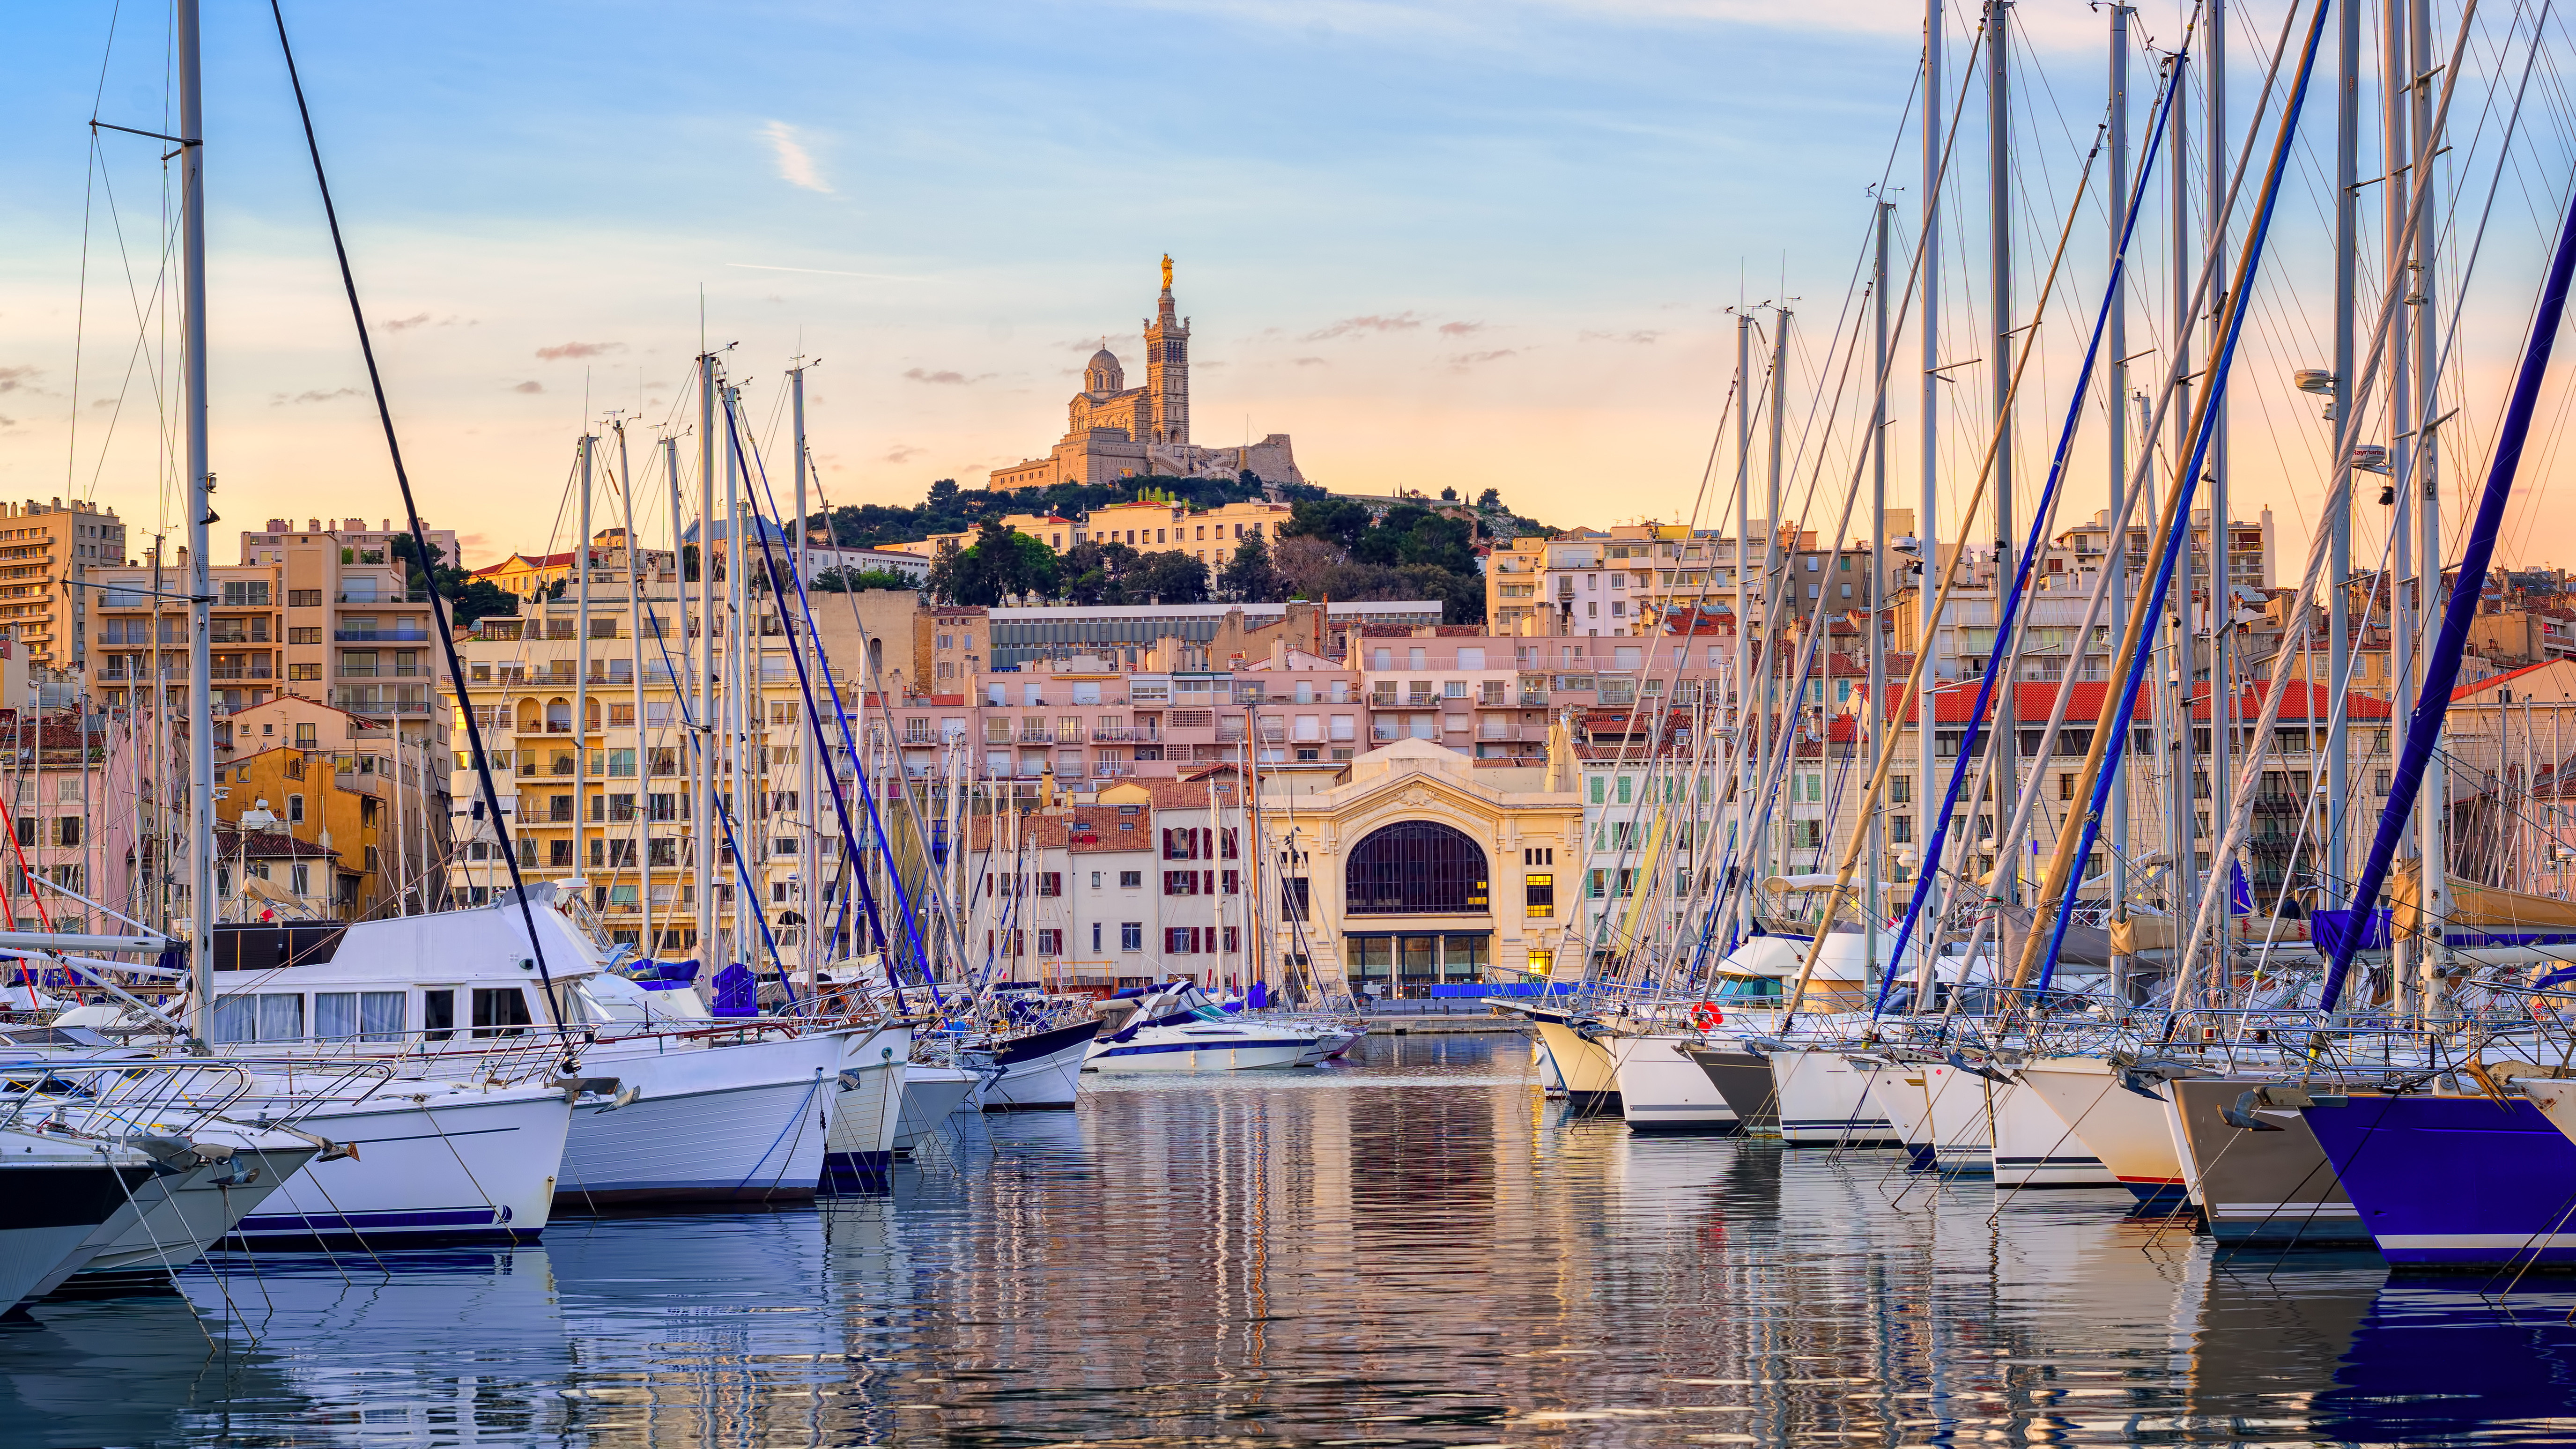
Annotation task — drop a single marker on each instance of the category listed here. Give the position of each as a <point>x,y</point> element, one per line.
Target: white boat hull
<point>867,1114</point>
<point>2033,1146</point>
<point>1041,1072</point>
<point>1584,1066</point>
<point>1221,1051</point>
<point>1962,1119</point>
<point>709,1121</point>
<point>1661,1090</point>
<point>930,1096</point>
<point>1825,1101</point>
<point>433,1166</point>
<point>51,1213</point>
<point>1897,1091</point>
<point>2127,1132</point>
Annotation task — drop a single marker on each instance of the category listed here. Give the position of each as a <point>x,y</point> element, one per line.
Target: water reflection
<point>1416,1250</point>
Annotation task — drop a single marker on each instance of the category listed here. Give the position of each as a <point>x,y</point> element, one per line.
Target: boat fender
<point>1706,1016</point>
<point>2241,1116</point>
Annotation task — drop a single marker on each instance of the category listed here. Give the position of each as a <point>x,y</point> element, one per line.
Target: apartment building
<point>1127,633</point>
<point>607,801</point>
<point>269,546</point>
<point>49,553</point>
<point>1631,579</point>
<point>83,819</point>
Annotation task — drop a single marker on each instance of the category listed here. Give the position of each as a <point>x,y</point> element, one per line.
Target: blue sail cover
<point>736,994</point>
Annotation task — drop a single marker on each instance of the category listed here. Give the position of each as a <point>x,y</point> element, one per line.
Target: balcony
<point>391,702</point>
<point>379,636</point>
<point>238,671</point>
<point>394,598</point>
<point>379,671</point>
<point>1126,734</point>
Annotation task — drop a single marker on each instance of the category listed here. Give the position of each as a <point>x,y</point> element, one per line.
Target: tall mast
<point>2222,607</point>
<point>702,815</point>
<point>1745,766</point>
<point>2338,863</point>
<point>681,681</point>
<point>1927,522</point>
<point>201,487</point>
<point>2115,391</point>
<point>635,644</point>
<point>730,789</point>
<point>2394,196</point>
<point>1779,587</point>
<point>809,854</point>
<point>1876,715</point>
<point>2431,823</point>
<point>2007,772</point>
<point>581,666</point>
<point>2182,806</point>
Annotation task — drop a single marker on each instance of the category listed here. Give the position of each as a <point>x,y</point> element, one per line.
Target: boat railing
<point>143,1095</point>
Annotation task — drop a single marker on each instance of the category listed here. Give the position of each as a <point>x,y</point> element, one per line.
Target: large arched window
<point>1419,867</point>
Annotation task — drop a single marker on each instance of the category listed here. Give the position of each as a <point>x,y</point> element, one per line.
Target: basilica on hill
<point>1114,431</point>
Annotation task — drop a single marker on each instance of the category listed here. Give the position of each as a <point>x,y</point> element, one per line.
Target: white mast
<point>702,756</point>
<point>1741,814</point>
<point>2115,392</point>
<point>2222,610</point>
<point>581,667</point>
<point>643,756</point>
<point>2394,196</point>
<point>2338,863</point>
<point>2433,804</point>
<point>1927,523</point>
<point>201,513</point>
<point>809,811</point>
<point>2181,805</point>
<point>2006,787</point>
<point>1875,716</point>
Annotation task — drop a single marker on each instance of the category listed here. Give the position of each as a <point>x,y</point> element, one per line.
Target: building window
<point>304,598</point>
<point>1541,962</point>
<point>1050,941</point>
<point>1131,879</point>
<point>1131,935</point>
<point>1415,867</point>
<point>1539,895</point>
<point>295,809</point>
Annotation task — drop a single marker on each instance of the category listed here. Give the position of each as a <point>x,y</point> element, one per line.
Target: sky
<point>1440,244</point>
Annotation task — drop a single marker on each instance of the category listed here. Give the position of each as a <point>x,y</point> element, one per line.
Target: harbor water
<point>1418,1248</point>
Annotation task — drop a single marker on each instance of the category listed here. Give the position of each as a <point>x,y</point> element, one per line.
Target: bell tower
<point>1167,368</point>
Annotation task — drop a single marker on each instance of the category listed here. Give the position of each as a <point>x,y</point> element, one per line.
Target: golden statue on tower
<point>1167,271</point>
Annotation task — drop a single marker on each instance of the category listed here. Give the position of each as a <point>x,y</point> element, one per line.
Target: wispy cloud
<point>1364,326</point>
<point>1312,362</point>
<point>563,350</point>
<point>1460,329</point>
<point>946,377</point>
<point>795,163</point>
<point>1636,337</point>
<point>312,395</point>
<point>14,378</point>
<point>1466,360</point>
<point>903,453</point>
<point>403,324</point>
<point>531,385</point>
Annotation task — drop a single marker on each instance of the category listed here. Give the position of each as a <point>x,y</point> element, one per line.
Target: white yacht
<point>701,1108</point>
<point>1176,1028</point>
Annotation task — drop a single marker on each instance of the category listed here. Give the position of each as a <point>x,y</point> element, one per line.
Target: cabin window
<point>500,1011</point>
<point>438,1013</point>
<point>268,1016</point>
<point>373,1015</point>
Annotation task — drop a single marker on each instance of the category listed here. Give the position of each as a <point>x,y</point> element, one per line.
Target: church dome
<point>1103,374</point>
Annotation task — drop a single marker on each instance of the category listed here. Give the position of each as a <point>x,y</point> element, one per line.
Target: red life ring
<point>1706,1015</point>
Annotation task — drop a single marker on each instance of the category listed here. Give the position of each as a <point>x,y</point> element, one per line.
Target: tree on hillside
<point>469,598</point>
<point>1170,577</point>
<point>999,562</point>
<point>1341,522</point>
<point>855,581</point>
<point>1249,577</point>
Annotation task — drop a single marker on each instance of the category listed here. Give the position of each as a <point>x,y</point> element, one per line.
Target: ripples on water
<point>1415,1250</point>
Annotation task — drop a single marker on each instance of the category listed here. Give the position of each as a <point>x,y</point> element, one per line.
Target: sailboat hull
<point>431,1168</point>
<point>1898,1089</point>
<point>1041,1072</point>
<point>1824,1101</point>
<point>867,1116</point>
<point>2257,1187</point>
<point>1662,1090</point>
<point>1743,1081</point>
<point>2455,1182</point>
<point>170,1221</point>
<point>709,1123</point>
<point>1591,1077</point>
<point>2126,1131</point>
<point>930,1096</point>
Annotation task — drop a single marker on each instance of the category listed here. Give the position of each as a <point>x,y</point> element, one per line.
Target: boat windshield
<point>1745,988</point>
<point>584,920</point>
